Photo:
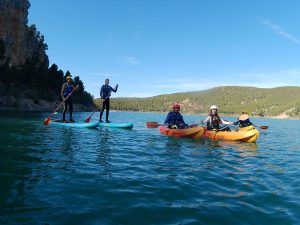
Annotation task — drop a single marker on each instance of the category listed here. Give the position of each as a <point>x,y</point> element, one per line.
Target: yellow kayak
<point>245,134</point>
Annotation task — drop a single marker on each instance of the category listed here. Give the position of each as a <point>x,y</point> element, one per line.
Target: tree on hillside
<point>2,50</point>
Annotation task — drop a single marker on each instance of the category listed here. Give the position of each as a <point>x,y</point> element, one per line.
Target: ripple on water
<point>58,175</point>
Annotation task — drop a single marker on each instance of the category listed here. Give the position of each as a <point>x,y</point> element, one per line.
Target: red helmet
<point>176,106</point>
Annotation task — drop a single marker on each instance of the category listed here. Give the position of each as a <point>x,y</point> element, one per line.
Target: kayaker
<point>174,119</point>
<point>243,120</point>
<point>213,120</point>
<point>66,89</point>
<point>105,93</point>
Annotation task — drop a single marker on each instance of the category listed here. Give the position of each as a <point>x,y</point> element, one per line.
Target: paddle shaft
<point>65,99</point>
<point>87,120</point>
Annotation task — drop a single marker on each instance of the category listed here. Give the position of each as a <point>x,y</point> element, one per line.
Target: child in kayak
<point>243,120</point>
<point>174,119</point>
<point>213,120</point>
<point>67,89</point>
<point>105,94</point>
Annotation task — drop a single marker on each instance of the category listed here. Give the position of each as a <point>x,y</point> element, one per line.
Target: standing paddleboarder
<point>66,90</point>
<point>105,93</point>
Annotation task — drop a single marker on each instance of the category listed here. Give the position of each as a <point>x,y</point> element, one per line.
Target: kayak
<point>75,124</point>
<point>194,132</point>
<point>117,125</point>
<point>245,134</point>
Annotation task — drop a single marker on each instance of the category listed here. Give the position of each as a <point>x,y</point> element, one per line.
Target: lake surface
<point>58,175</point>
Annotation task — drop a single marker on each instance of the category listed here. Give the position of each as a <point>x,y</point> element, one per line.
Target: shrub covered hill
<point>26,80</point>
<point>230,100</point>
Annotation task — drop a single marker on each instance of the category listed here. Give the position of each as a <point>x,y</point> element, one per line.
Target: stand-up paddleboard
<point>75,124</point>
<point>117,125</point>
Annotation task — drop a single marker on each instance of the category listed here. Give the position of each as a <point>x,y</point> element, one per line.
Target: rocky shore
<point>27,104</point>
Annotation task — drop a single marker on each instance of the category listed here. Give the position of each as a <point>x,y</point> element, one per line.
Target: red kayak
<point>194,132</point>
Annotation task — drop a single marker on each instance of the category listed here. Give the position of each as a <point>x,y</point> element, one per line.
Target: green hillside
<point>229,99</point>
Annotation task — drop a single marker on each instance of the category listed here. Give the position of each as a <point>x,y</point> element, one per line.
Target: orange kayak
<point>194,132</point>
<point>245,134</point>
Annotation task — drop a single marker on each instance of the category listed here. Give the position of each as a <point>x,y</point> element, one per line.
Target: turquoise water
<point>58,175</point>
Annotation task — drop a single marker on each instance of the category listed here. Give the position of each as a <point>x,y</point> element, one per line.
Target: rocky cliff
<point>18,41</point>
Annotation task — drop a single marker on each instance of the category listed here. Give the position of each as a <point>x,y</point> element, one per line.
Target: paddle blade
<point>152,124</point>
<point>87,120</point>
<point>47,121</point>
<point>264,127</point>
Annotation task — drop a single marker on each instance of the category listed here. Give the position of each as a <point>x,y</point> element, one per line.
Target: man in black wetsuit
<point>105,94</point>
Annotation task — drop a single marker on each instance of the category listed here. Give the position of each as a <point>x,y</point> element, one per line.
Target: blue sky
<point>152,47</point>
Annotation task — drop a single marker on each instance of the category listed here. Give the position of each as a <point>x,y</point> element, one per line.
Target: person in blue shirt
<point>105,93</point>
<point>66,89</point>
<point>174,119</point>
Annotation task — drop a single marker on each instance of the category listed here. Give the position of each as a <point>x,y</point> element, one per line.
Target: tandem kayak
<point>75,124</point>
<point>117,125</point>
<point>245,134</point>
<point>194,132</point>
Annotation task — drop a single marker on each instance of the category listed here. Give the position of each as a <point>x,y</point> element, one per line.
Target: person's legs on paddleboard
<point>107,110</point>
<point>101,113</point>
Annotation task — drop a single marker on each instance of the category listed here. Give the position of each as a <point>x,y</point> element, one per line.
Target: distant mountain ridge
<point>229,99</point>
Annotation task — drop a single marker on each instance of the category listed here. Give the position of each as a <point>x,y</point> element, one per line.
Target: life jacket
<point>175,118</point>
<point>244,121</point>
<point>68,89</point>
<point>214,122</point>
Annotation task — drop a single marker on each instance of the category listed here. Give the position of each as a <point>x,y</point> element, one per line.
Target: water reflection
<point>245,149</point>
<point>104,152</point>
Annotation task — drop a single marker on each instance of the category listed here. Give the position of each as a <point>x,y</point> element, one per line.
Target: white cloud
<point>278,30</point>
<point>130,60</point>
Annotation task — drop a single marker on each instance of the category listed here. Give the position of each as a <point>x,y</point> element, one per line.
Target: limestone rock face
<point>18,41</point>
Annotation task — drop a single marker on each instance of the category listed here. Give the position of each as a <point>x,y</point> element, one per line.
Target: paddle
<point>153,124</point>
<point>264,127</point>
<point>261,127</point>
<point>87,120</point>
<point>48,119</point>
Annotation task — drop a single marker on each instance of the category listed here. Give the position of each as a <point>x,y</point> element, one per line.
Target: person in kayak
<point>243,120</point>
<point>213,120</point>
<point>174,119</point>
<point>66,89</point>
<point>105,93</point>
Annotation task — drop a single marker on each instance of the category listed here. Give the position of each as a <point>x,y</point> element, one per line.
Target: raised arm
<point>114,89</point>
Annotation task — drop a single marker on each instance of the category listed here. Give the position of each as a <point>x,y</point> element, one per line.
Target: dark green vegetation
<point>33,80</point>
<point>230,100</point>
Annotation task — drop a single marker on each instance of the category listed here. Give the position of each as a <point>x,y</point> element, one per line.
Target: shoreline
<point>277,117</point>
<point>79,109</point>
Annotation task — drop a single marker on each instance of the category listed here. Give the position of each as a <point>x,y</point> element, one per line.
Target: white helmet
<point>213,107</point>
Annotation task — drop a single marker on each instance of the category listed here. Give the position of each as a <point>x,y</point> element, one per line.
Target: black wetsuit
<point>104,94</point>
<point>68,89</point>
